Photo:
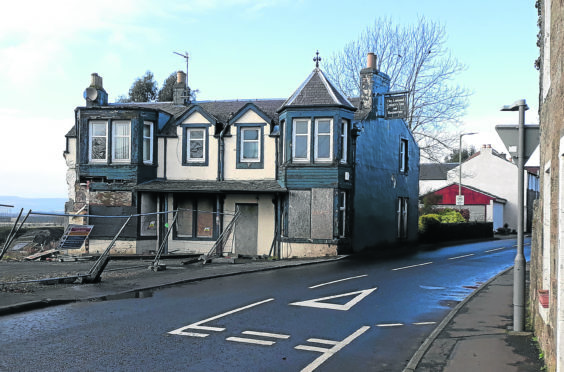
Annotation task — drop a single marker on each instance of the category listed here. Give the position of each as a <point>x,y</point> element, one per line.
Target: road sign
<point>509,134</point>
<point>459,199</point>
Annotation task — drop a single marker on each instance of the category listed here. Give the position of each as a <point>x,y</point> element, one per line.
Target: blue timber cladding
<point>379,183</point>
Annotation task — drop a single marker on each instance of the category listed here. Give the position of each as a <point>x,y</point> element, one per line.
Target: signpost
<point>459,199</point>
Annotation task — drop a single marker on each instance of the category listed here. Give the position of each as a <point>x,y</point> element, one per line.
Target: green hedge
<point>440,232</point>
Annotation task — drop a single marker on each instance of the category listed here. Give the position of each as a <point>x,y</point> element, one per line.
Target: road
<point>347,315</point>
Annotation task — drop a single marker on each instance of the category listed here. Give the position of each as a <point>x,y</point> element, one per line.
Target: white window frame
<point>91,138</point>
<point>404,148</point>
<point>115,136</point>
<point>317,136</point>
<point>344,140</point>
<point>189,131</point>
<point>243,142</point>
<point>307,135</point>
<point>148,160</point>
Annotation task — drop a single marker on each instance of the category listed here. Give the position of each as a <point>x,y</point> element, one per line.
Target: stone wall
<point>551,96</point>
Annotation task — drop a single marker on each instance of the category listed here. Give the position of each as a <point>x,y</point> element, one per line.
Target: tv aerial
<point>186,56</point>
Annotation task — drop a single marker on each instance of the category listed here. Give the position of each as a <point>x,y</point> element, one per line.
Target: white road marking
<point>266,334</point>
<point>389,325</point>
<point>337,281</point>
<point>495,249</point>
<point>409,267</point>
<point>424,323</point>
<point>318,302</point>
<point>328,353</point>
<point>198,326</point>
<point>322,341</point>
<point>250,341</point>
<point>458,257</point>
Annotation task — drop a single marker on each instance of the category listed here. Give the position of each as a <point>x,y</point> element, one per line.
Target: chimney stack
<point>96,81</point>
<point>181,92</point>
<point>373,86</point>
<point>95,95</point>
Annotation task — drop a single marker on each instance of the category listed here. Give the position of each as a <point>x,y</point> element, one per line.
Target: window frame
<point>193,200</point>
<point>115,124</point>
<point>342,214</point>
<point>402,213</point>
<point>151,126</point>
<point>404,155</point>
<point>344,141</point>
<point>186,145</point>
<point>317,136</point>
<point>306,135</point>
<point>91,138</point>
<point>256,163</point>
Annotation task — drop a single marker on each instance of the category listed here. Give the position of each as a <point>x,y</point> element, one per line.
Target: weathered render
<point>312,175</point>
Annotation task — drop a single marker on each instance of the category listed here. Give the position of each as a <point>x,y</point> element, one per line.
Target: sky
<point>239,49</point>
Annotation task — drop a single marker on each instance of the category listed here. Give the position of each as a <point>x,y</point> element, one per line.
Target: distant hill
<point>35,204</point>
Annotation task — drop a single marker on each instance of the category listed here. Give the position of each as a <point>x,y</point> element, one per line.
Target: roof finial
<point>316,59</point>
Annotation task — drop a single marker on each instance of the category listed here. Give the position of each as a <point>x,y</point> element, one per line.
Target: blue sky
<point>238,49</point>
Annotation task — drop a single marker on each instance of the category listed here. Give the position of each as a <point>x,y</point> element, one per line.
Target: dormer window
<point>195,145</point>
<point>250,146</point>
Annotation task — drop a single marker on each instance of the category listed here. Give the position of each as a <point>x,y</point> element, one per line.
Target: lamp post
<point>519,268</point>
<point>460,166</point>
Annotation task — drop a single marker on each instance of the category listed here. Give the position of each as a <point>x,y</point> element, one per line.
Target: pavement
<point>475,336</point>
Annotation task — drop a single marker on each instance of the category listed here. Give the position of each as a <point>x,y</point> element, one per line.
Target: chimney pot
<point>371,60</point>
<point>180,77</point>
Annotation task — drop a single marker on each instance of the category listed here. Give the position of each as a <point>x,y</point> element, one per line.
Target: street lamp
<point>519,268</point>
<point>460,167</point>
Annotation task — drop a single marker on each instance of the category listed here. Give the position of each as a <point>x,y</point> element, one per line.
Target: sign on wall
<point>395,106</point>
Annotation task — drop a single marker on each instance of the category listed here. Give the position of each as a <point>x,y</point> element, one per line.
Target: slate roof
<point>317,90</point>
<point>435,171</point>
<point>211,186</point>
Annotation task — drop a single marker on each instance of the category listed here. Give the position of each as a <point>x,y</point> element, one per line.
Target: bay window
<point>121,141</point>
<point>98,146</point>
<point>323,140</point>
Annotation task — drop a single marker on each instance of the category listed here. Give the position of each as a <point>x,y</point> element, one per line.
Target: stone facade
<point>547,261</point>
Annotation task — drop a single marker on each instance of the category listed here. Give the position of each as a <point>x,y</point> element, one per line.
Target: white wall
<point>493,175</point>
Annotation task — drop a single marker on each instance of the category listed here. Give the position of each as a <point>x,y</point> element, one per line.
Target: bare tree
<point>416,60</point>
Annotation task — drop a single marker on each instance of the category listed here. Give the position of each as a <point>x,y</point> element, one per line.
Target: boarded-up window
<point>195,217</point>
<point>299,214</point>
<point>322,201</point>
<point>148,222</point>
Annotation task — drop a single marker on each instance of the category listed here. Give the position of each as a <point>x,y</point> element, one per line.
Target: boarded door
<point>246,230</point>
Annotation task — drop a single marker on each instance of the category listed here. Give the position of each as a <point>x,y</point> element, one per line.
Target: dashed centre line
<point>337,281</point>
<point>458,257</point>
<point>411,266</point>
<point>495,249</point>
